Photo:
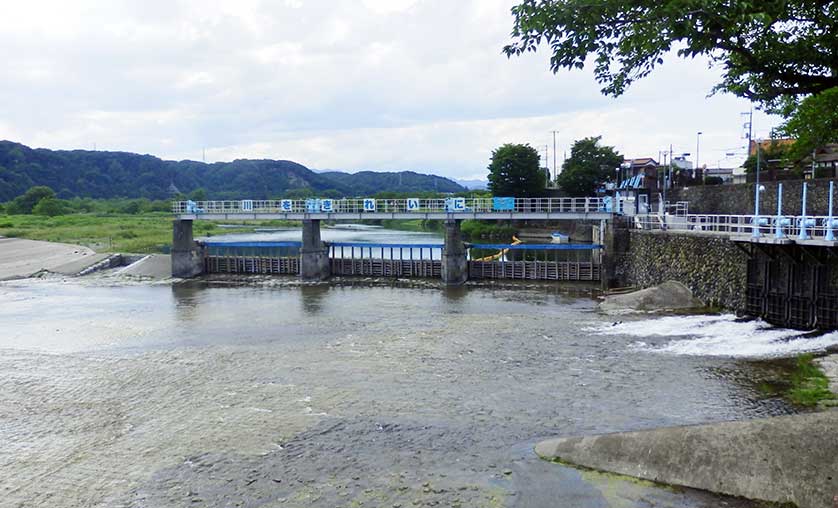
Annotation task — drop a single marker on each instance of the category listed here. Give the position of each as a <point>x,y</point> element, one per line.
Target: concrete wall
<point>782,459</point>
<point>713,268</point>
<point>738,199</point>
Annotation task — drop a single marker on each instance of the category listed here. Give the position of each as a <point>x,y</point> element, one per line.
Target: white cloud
<point>385,84</point>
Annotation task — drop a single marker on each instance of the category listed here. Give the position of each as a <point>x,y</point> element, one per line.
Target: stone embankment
<point>713,268</point>
<point>787,459</point>
<point>739,199</point>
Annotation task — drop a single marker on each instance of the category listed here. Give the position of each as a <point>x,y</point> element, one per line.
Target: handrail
<point>778,227</point>
<point>256,243</point>
<point>410,205</point>
<point>536,246</point>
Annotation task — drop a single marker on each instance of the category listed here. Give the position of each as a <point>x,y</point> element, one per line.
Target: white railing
<point>367,205</point>
<point>790,226</point>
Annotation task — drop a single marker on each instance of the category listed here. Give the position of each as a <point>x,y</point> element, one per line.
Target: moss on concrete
<point>809,385</point>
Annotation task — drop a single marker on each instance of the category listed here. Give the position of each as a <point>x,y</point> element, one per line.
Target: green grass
<point>141,233</point>
<point>809,385</point>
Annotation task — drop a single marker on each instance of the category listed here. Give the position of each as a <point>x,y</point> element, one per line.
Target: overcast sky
<point>338,84</point>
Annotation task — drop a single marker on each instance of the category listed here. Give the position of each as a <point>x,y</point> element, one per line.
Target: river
<point>272,392</point>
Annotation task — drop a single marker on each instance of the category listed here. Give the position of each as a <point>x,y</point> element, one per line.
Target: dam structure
<point>783,267</point>
<point>313,259</point>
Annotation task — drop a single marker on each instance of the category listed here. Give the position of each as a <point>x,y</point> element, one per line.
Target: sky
<point>352,85</point>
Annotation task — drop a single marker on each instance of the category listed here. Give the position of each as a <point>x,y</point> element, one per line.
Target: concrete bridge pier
<point>612,244</point>
<point>187,256</point>
<point>454,262</point>
<point>314,255</point>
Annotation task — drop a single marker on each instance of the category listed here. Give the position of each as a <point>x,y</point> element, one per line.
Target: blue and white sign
<point>412,204</point>
<point>327,205</point>
<point>455,204</point>
<point>247,205</point>
<point>286,205</point>
<point>369,205</point>
<point>312,205</point>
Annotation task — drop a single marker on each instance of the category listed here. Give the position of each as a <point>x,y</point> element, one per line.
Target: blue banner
<point>503,204</point>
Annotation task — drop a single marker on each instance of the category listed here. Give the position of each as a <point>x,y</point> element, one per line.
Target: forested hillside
<point>98,174</point>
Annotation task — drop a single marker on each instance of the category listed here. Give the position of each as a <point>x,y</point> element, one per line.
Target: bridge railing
<point>785,226</point>
<point>369,205</point>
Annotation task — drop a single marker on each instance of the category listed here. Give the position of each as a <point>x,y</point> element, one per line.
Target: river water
<point>351,393</point>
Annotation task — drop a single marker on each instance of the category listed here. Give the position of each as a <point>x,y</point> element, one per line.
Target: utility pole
<point>555,169</point>
<point>546,160</point>
<point>663,198</point>
<point>670,165</point>
<point>703,175</point>
<point>755,229</point>
<point>750,124</point>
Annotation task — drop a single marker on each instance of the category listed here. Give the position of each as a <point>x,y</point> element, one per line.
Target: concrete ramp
<point>21,258</point>
<point>781,459</point>
<point>153,266</point>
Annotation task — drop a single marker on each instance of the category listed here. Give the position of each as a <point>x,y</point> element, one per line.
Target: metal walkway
<point>368,208</point>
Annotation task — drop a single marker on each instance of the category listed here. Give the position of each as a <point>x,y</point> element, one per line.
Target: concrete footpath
<point>781,459</point>
<point>21,258</point>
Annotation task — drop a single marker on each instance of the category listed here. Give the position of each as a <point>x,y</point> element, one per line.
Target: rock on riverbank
<point>671,295</point>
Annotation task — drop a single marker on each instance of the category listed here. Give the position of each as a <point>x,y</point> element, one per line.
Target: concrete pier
<point>454,262</point>
<point>314,255</point>
<point>187,256</point>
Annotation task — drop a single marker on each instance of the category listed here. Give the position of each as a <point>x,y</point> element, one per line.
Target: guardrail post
<point>778,226</point>
<point>187,256</point>
<point>830,234</point>
<point>755,229</point>
<point>454,262</point>
<point>804,235</point>
<point>314,255</point>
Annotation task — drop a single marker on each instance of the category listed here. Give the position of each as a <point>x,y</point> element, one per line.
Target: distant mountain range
<point>99,174</point>
<point>473,184</point>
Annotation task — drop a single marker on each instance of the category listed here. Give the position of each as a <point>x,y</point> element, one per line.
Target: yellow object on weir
<point>495,257</point>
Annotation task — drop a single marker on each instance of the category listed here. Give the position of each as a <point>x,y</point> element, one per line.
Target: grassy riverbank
<point>142,233</point>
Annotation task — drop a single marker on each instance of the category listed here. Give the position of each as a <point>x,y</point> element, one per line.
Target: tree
<point>769,49</point>
<point>813,123</point>
<point>198,194</point>
<point>588,166</point>
<point>515,171</point>
<point>25,203</point>
<point>50,207</point>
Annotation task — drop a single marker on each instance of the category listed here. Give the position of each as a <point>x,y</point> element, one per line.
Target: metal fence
<point>368,205</point>
<point>784,226</point>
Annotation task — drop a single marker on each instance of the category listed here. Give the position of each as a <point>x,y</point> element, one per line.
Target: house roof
<point>641,161</point>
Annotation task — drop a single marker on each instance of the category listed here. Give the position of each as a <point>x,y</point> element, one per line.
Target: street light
<point>697,139</point>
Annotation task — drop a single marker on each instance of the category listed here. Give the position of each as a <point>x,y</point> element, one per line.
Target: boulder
<point>671,295</point>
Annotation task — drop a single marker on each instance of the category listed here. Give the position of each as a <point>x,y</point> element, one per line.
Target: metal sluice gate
<point>560,262</point>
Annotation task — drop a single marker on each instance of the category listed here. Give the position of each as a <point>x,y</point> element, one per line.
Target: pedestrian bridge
<point>591,208</point>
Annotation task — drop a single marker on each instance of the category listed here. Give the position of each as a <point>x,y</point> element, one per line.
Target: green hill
<point>99,174</point>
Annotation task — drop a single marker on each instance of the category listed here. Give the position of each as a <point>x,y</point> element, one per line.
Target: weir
<point>556,262</point>
<point>315,260</point>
